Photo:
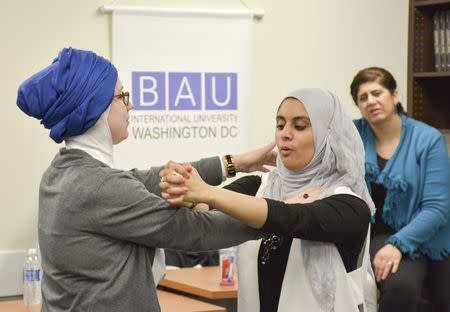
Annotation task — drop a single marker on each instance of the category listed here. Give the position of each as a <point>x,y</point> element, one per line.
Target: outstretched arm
<point>248,209</point>
<point>338,218</point>
<point>175,174</point>
<point>210,169</point>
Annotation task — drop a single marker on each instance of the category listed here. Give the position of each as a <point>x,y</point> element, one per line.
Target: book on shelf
<point>447,32</point>
<point>443,39</point>
<point>437,41</point>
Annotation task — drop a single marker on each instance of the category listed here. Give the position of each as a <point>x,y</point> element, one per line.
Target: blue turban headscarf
<point>70,95</point>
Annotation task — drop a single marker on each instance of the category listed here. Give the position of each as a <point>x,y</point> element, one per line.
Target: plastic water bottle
<point>227,266</point>
<point>32,278</point>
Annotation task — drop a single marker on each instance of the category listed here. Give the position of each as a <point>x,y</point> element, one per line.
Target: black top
<point>341,219</point>
<point>378,197</point>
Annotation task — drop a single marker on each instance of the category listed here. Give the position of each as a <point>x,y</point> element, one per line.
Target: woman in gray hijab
<point>314,207</point>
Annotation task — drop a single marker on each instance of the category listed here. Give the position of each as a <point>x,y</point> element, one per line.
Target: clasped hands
<point>178,184</point>
<point>181,185</point>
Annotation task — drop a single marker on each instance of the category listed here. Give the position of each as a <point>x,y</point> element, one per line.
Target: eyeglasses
<point>125,96</point>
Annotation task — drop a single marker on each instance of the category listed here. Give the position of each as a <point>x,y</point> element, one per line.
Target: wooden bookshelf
<point>428,90</point>
<point>431,3</point>
<point>431,74</point>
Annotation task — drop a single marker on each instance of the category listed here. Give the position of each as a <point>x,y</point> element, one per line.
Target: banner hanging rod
<point>258,14</point>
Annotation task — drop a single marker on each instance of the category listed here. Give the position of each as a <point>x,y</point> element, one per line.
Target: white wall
<point>297,43</point>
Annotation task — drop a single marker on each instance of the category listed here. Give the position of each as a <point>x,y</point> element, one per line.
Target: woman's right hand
<point>197,189</point>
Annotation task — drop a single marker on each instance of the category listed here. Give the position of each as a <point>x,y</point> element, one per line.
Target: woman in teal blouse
<point>408,175</point>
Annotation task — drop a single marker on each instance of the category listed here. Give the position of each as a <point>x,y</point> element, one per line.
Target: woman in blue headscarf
<point>100,229</point>
<point>314,207</point>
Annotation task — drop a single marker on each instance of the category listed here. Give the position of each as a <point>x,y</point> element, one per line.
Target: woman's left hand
<point>386,261</point>
<point>256,160</point>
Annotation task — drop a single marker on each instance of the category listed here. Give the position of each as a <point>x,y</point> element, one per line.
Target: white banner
<point>189,79</point>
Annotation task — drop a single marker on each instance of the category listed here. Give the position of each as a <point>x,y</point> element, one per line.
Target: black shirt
<point>341,219</point>
<point>378,197</point>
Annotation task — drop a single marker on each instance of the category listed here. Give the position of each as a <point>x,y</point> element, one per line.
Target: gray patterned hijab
<point>338,161</point>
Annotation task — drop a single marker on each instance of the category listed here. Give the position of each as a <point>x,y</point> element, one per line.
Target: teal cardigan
<point>417,181</point>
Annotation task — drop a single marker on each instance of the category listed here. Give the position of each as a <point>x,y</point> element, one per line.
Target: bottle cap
<point>32,251</point>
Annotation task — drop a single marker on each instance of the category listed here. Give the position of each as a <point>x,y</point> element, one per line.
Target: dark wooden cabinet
<point>428,89</point>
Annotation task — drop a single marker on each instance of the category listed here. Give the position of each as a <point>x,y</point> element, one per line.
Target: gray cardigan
<point>99,227</point>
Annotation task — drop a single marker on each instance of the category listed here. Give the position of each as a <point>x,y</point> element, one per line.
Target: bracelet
<point>230,166</point>
<point>193,205</point>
